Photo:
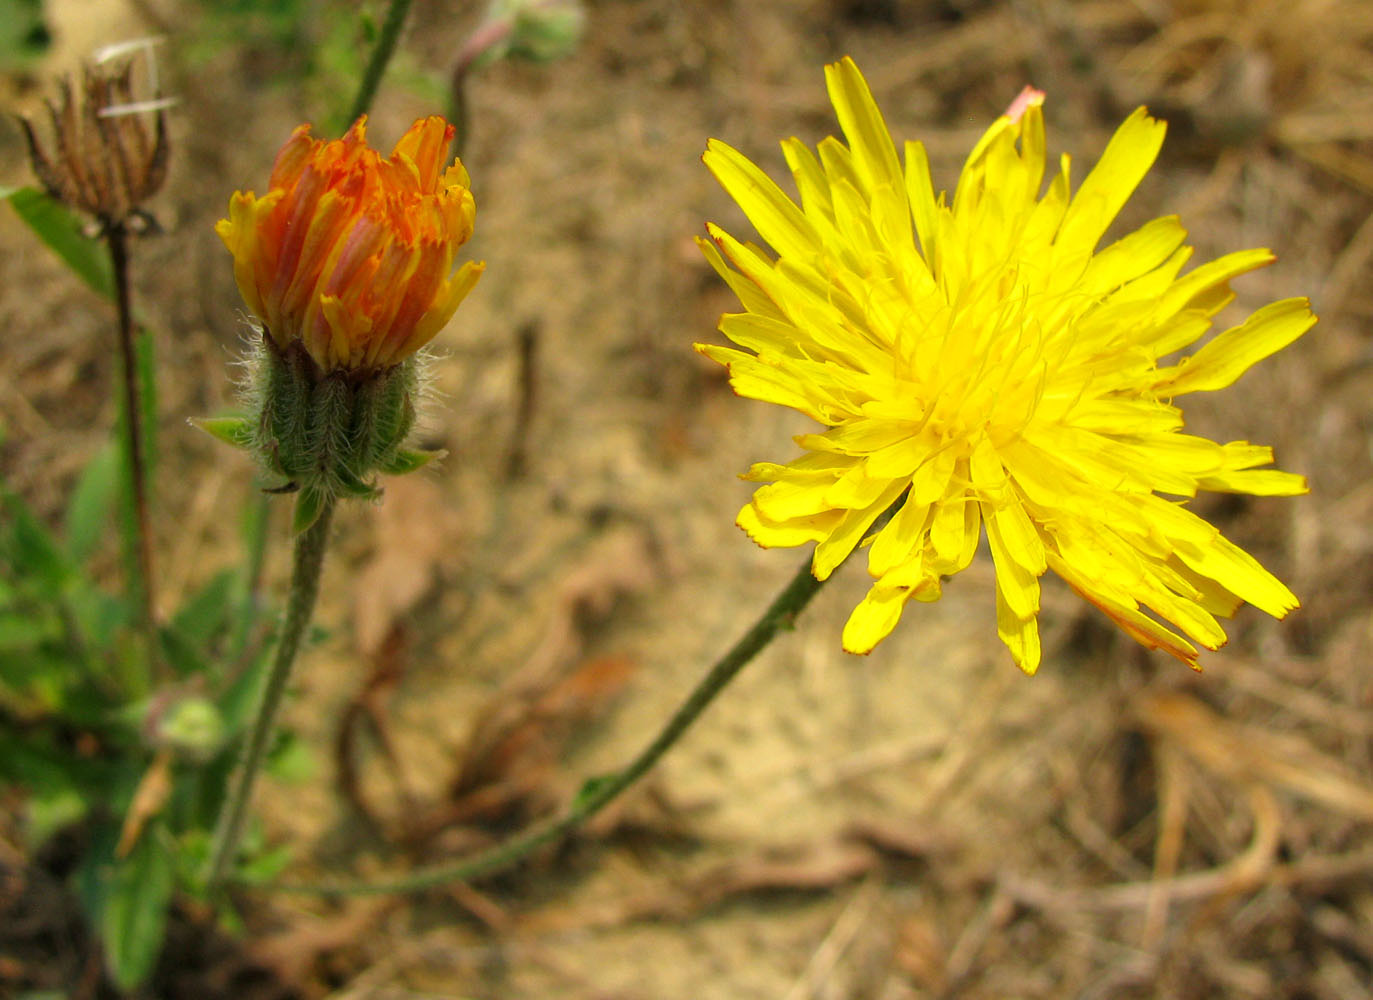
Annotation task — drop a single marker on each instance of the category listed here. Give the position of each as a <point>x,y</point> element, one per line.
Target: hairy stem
<point>141,563</point>
<point>305,572</point>
<point>600,792</point>
<point>381,55</point>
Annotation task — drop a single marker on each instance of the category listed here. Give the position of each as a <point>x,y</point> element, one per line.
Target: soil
<point>921,822</point>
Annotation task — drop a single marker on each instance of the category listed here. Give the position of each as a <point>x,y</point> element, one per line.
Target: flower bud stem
<point>141,560</point>
<point>307,562</point>
<point>599,793</point>
<point>381,55</point>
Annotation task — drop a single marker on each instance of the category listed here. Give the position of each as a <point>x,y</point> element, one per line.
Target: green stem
<point>381,55</point>
<point>300,607</point>
<point>600,792</point>
<point>136,474</point>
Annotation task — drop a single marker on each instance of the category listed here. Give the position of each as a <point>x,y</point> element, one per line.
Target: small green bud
<point>191,727</point>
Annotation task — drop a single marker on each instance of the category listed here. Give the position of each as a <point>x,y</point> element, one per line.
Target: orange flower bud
<point>350,255</point>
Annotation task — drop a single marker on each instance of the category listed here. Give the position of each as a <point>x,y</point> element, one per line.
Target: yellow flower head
<point>982,362</point>
<point>351,255</point>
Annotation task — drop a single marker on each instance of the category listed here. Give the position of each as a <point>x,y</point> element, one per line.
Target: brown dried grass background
<point>924,822</point>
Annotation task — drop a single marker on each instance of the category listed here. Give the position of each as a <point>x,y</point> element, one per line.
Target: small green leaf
<point>91,504</point>
<point>236,431</point>
<point>63,231</point>
<point>263,867</point>
<point>290,759</point>
<point>134,916</point>
<point>592,787</point>
<point>309,505</point>
<point>410,459</point>
<point>30,547</point>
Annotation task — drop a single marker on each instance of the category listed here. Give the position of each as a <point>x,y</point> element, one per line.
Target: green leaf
<point>592,787</point>
<point>207,612</point>
<point>56,783</point>
<point>290,759</point>
<point>91,503</point>
<point>32,551</point>
<point>410,459</point>
<point>309,505</point>
<point>63,231</point>
<point>24,37</point>
<point>235,431</point>
<point>134,916</point>
<point>238,701</point>
<point>24,631</point>
<point>184,656</point>
<point>98,615</point>
<point>263,867</point>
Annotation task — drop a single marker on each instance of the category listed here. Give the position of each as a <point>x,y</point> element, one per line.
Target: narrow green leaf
<point>89,509</point>
<point>410,459</point>
<point>62,231</point>
<point>134,916</point>
<point>33,552</point>
<point>184,656</point>
<point>240,698</point>
<point>235,431</point>
<point>97,614</point>
<point>207,612</point>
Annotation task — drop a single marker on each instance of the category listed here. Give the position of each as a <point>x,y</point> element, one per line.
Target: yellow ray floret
<point>984,363</point>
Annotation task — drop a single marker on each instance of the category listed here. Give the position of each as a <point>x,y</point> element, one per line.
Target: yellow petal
<point>1224,359</point>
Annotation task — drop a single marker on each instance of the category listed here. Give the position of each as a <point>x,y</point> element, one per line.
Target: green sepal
<point>347,484</point>
<point>409,459</point>
<point>309,505</point>
<point>235,431</point>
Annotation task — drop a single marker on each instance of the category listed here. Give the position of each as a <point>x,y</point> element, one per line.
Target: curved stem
<point>141,560</point>
<point>381,55</point>
<point>307,562</point>
<point>597,793</point>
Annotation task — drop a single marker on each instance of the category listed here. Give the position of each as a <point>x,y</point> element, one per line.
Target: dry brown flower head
<point>103,159</point>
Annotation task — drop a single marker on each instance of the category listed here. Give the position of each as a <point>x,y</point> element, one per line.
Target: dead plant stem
<point>141,564</point>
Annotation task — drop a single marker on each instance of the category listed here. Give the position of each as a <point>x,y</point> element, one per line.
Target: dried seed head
<point>102,159</point>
